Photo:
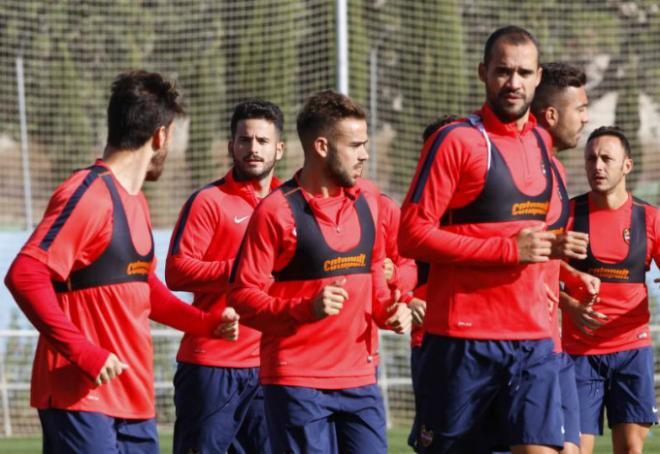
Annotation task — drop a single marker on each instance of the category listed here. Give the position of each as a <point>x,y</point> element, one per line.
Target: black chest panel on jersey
<point>500,200</point>
<point>119,262</point>
<point>560,224</point>
<point>633,268</point>
<point>313,258</point>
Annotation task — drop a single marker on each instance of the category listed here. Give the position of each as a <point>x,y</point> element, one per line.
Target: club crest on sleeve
<point>425,437</point>
<point>626,235</point>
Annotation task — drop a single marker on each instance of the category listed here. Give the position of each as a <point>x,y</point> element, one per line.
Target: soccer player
<point>86,280</point>
<point>560,106</point>
<point>487,348</point>
<point>219,402</point>
<point>614,362</point>
<point>318,235</point>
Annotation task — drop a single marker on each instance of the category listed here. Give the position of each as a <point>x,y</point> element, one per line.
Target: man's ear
<point>551,116</point>
<point>159,138</point>
<point>320,146</point>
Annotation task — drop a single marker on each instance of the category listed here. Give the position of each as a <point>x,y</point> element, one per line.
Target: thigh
<point>298,420</point>
<point>531,403</point>
<point>206,400</point>
<point>77,431</point>
<point>252,436</point>
<point>569,400</point>
<point>631,392</point>
<point>137,436</point>
<point>360,421</point>
<point>458,381</point>
<point>590,386</point>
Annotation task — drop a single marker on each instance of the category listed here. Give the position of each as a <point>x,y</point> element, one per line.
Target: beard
<point>508,114</point>
<point>341,176</point>
<point>244,172</point>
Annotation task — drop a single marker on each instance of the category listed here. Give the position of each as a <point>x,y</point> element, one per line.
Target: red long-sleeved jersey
<point>476,287</point>
<point>622,243</point>
<point>317,243</point>
<point>97,310</point>
<point>202,250</point>
<point>557,219</point>
<point>404,277</point>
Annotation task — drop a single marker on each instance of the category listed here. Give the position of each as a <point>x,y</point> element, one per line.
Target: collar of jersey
<point>494,125</point>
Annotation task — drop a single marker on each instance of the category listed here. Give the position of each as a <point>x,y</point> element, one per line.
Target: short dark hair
<point>556,77</point>
<point>140,103</point>
<point>257,109</point>
<point>322,112</point>
<point>438,123</point>
<point>511,34</point>
<point>614,132</point>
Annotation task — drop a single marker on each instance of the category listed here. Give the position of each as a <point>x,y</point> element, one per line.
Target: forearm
<point>169,310</point>
<point>276,316</point>
<point>192,275</point>
<point>29,281</point>
<point>436,245</point>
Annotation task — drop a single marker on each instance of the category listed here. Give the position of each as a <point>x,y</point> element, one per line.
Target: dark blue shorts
<point>415,353</point>
<point>569,399</point>
<point>316,421</point>
<point>89,432</point>
<point>464,384</point>
<point>218,410</point>
<point>622,382</point>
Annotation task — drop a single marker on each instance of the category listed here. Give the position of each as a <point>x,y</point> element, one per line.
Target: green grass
<point>396,439</point>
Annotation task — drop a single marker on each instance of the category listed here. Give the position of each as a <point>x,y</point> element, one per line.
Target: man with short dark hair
<point>476,213</point>
<point>86,280</point>
<point>318,236</point>
<point>560,106</point>
<point>614,364</point>
<point>219,402</point>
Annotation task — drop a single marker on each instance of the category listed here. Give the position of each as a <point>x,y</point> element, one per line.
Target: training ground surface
<point>396,439</point>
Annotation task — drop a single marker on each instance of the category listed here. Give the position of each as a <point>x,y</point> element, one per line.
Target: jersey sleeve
<point>405,270</point>
<point>186,267</point>
<point>252,275</point>
<point>445,159</point>
<point>653,216</point>
<point>29,281</point>
<point>76,226</point>
<point>169,310</point>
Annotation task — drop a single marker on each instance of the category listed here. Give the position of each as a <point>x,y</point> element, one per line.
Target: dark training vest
<point>633,268</point>
<point>119,262</point>
<point>560,224</point>
<point>500,200</point>
<point>313,258</point>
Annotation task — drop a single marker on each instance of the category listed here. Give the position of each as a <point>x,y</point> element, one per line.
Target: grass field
<point>396,439</point>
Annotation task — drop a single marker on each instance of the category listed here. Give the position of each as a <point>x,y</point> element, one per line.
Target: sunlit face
<point>347,151</point>
<point>511,78</point>
<point>255,148</point>
<point>571,117</point>
<point>157,163</point>
<point>606,164</point>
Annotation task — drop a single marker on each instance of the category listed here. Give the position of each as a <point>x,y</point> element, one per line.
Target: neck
<point>317,182</point>
<point>262,185</point>
<point>128,166</point>
<point>612,199</point>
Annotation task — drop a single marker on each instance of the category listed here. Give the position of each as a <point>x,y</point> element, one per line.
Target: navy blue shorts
<point>569,399</point>
<point>415,353</point>
<point>465,383</point>
<point>622,382</point>
<point>218,410</point>
<point>85,432</point>
<point>316,421</point>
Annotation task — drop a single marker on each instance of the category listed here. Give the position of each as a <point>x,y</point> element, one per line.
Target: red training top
<point>624,255</point>
<point>203,247</point>
<point>476,287</point>
<point>296,349</point>
<point>80,327</point>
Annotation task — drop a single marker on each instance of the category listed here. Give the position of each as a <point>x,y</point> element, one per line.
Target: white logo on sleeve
<point>238,220</point>
<point>655,409</point>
